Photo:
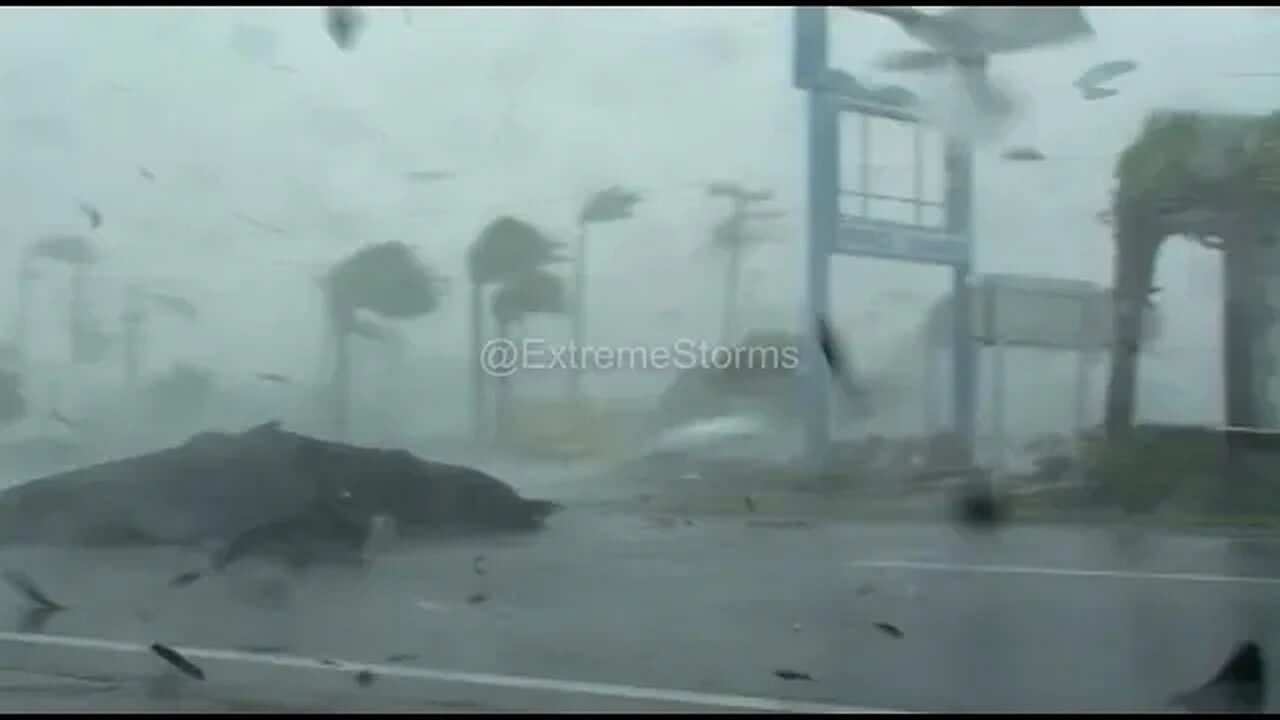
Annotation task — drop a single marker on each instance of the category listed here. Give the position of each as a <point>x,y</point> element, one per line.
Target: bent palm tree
<point>534,291</point>
<point>733,236</point>
<point>77,254</point>
<point>387,280</point>
<point>613,204</point>
<point>505,248</point>
<point>1213,179</point>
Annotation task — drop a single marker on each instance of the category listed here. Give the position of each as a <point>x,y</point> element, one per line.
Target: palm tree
<point>393,345</point>
<point>613,204</point>
<point>505,248</point>
<point>733,237</point>
<point>134,320</point>
<point>534,291</point>
<point>78,254</point>
<point>387,280</point>
<point>13,405</point>
<point>1215,180</point>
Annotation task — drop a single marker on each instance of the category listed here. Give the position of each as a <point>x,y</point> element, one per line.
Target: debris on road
<point>186,578</point>
<point>365,678</point>
<point>27,587</point>
<point>477,598</point>
<point>979,507</point>
<point>1239,686</point>
<point>217,486</point>
<point>889,629</point>
<point>402,657</point>
<point>176,659</point>
<point>477,565</point>
<point>792,675</point>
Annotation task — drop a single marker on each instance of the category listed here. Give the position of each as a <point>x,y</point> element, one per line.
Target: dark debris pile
<point>218,485</point>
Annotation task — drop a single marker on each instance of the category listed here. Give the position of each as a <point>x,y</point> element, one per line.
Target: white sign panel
<point>898,241</point>
<point>1038,312</point>
<point>1043,312</point>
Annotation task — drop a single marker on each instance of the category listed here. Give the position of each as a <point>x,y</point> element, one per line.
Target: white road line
<point>1063,572</point>
<point>572,687</point>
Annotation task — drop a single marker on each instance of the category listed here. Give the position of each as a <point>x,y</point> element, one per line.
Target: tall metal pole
<point>959,220</point>
<point>579,319</point>
<point>821,223</point>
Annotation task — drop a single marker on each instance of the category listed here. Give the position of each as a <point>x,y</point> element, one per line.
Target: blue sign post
<point>832,232</point>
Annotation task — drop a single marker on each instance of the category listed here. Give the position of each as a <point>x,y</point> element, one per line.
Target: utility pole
<point>731,235</point>
<point>613,204</point>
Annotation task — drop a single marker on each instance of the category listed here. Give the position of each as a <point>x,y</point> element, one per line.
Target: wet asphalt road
<point>1033,619</point>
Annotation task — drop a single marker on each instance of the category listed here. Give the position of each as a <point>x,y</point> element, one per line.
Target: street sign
<point>832,231</point>
<point>1038,312</point>
<point>809,63</point>
<point>867,237</point>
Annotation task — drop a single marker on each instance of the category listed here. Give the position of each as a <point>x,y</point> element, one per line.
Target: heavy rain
<point>639,359</point>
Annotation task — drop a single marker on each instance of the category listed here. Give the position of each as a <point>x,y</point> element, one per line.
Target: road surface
<point>627,612</point>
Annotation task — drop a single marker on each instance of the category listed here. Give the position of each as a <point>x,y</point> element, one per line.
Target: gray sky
<point>533,109</point>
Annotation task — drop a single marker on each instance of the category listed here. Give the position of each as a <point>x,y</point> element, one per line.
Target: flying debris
<point>1103,73</point>
<point>260,224</point>
<point>1093,93</point>
<point>146,174</point>
<point>62,420</point>
<point>176,305</point>
<point>344,25</point>
<point>1240,686</point>
<point>1022,153</point>
<point>176,659</point>
<point>426,176</point>
<point>889,629</point>
<point>27,587</point>
<point>1090,82</point>
<point>979,507</point>
<point>967,37</point>
<point>185,579</point>
<point>94,215</point>
<point>273,377</point>
<point>968,33</point>
<point>834,355</point>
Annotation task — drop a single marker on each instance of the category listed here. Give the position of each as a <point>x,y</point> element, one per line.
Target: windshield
<point>696,359</point>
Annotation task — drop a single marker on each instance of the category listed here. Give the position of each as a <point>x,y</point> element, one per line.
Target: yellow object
<point>559,428</point>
